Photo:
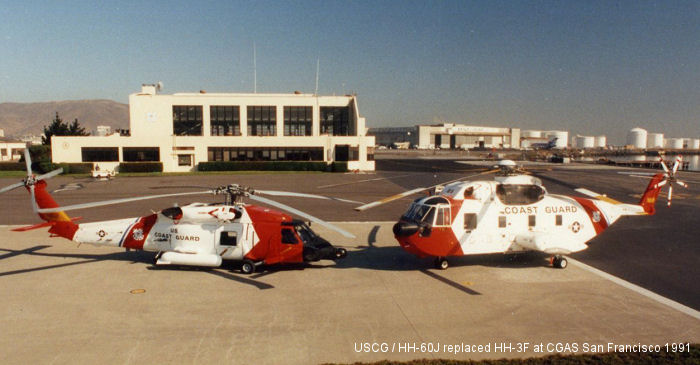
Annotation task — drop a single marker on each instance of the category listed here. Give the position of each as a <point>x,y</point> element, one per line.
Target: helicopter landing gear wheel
<point>340,253</point>
<point>559,262</point>
<point>248,267</point>
<point>442,263</point>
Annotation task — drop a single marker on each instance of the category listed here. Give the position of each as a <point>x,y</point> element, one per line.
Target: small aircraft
<point>197,234</point>
<point>512,214</point>
<point>545,145</point>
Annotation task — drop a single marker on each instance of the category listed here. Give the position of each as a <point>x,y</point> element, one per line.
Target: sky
<point>589,67</point>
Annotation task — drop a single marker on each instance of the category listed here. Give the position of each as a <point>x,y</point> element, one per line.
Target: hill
<point>18,119</point>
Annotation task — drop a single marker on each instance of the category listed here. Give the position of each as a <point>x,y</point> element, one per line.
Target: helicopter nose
<point>405,229</point>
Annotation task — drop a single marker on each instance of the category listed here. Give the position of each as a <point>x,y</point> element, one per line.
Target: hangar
<point>449,135</point>
<point>183,129</point>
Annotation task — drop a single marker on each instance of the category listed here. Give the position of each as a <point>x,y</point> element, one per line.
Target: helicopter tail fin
<point>648,201</point>
<point>61,224</point>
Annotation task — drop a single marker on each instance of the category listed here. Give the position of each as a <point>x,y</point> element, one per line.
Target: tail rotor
<point>670,177</point>
<point>31,180</point>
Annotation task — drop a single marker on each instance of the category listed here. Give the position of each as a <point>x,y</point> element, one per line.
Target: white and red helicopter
<point>512,214</point>
<point>197,234</point>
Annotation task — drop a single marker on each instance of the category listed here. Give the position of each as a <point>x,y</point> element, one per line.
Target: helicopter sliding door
<point>229,241</point>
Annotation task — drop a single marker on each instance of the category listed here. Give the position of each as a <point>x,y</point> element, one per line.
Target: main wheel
<point>248,267</point>
<point>340,253</point>
<point>441,263</point>
<point>559,262</point>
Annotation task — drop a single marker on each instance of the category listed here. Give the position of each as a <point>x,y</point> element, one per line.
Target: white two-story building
<point>184,129</point>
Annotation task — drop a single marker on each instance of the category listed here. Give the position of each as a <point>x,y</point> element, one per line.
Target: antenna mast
<point>318,66</point>
<point>255,72</point>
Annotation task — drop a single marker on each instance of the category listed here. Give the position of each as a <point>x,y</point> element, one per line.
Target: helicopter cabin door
<point>291,246</point>
<point>229,241</point>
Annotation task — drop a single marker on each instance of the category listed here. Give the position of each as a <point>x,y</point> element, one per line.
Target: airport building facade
<point>449,136</point>
<point>184,129</point>
<point>11,150</point>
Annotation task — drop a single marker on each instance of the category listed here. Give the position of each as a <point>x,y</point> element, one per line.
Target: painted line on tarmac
<point>638,289</point>
<point>362,181</point>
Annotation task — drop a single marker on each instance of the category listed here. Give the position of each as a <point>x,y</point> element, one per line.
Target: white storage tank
<point>637,137</point>
<point>600,141</point>
<point>674,143</point>
<point>531,134</point>
<point>655,140</point>
<point>585,142</point>
<point>561,136</point>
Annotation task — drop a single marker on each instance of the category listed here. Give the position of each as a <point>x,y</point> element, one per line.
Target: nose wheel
<point>558,262</point>
<point>441,263</point>
<point>340,253</point>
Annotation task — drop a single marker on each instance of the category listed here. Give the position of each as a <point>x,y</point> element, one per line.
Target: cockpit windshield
<point>517,194</point>
<point>420,212</point>
<point>304,232</point>
<point>172,213</point>
<point>425,211</point>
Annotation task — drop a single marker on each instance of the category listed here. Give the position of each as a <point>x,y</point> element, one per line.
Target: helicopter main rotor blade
<point>11,187</point>
<point>116,201</point>
<point>302,195</point>
<point>28,161</point>
<point>414,191</point>
<point>389,199</point>
<point>301,214</point>
<point>51,174</point>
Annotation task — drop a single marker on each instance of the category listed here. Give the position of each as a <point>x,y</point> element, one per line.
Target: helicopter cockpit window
<point>288,236</point>
<point>515,194</point>
<point>306,234</point>
<point>428,210</point>
<point>443,217</point>
<point>172,213</point>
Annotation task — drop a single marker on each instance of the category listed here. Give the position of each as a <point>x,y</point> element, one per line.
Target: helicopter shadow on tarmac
<point>134,257</point>
<point>394,258</point>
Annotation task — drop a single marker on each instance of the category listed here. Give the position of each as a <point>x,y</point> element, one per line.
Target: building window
<point>265,153</point>
<point>3,152</point>
<point>262,121</point>
<point>141,154</point>
<point>531,220</point>
<point>187,120</point>
<point>184,160</point>
<point>558,219</point>
<point>297,120</point>
<point>354,154</point>
<point>335,121</point>
<point>225,120</point>
<point>100,154</point>
<point>370,153</point>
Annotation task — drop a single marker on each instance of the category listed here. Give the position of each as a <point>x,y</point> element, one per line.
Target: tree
<point>59,128</point>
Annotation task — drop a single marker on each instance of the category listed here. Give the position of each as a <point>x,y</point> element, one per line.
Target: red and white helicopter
<point>197,234</point>
<point>512,214</point>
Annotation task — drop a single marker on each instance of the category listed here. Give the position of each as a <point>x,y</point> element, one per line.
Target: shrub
<point>141,167</point>
<point>68,168</point>
<point>12,166</point>
<point>271,166</point>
